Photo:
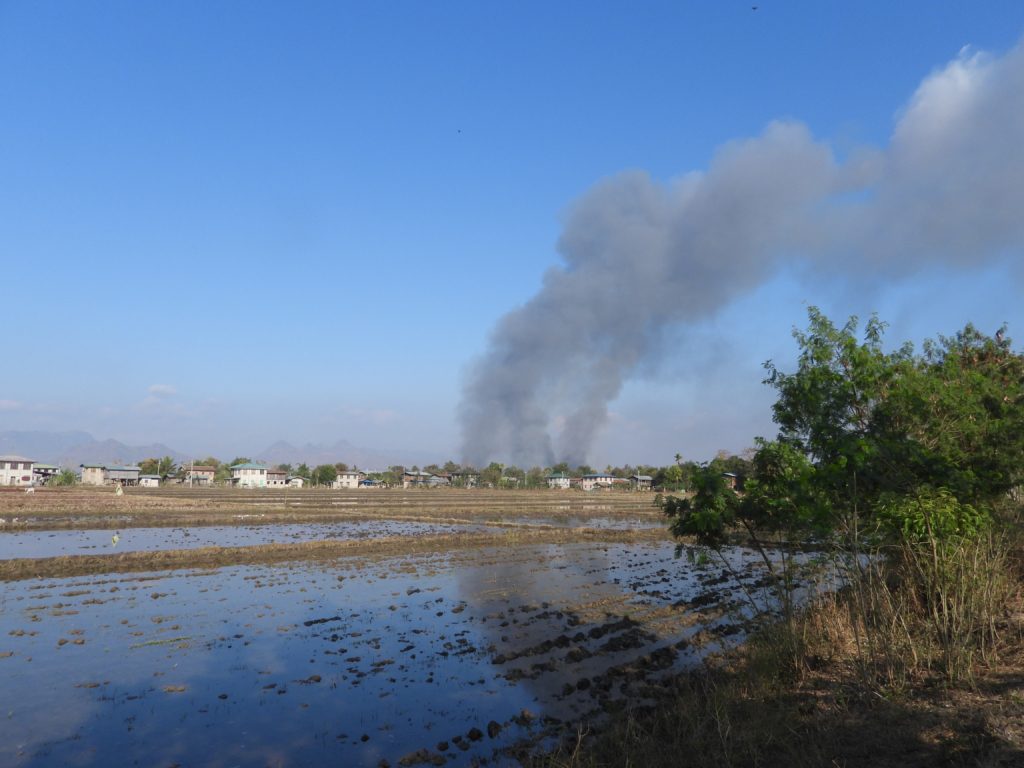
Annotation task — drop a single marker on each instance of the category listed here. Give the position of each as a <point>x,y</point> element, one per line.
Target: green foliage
<point>931,514</point>
<point>492,474</point>
<point>876,425</point>
<point>305,472</point>
<point>65,477</point>
<point>324,474</point>
<point>780,495</point>
<point>708,513</point>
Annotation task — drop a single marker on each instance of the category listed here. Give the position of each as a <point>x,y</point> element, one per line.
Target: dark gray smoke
<point>641,256</point>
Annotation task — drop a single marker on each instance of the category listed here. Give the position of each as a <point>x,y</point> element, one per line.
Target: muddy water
<point>448,658</point>
<point>93,542</point>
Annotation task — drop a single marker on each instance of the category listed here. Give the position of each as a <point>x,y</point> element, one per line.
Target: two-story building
<point>596,481</point>
<point>41,473</point>
<point>249,475</point>
<point>411,478</point>
<point>15,470</point>
<point>277,478</point>
<point>200,474</point>
<point>641,482</point>
<point>118,475</point>
<point>93,474</point>
<point>559,480</point>
<point>348,479</point>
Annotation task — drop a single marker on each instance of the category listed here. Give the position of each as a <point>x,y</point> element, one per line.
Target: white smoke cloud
<point>641,257</point>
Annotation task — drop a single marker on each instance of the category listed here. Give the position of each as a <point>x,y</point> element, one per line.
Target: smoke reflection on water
<point>298,663</point>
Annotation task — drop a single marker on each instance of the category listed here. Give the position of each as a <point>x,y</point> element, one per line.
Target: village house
<point>559,480</point>
<point>464,479</point>
<point>412,478</point>
<point>117,475</point>
<point>596,481</point>
<point>277,478</point>
<point>200,474</point>
<point>93,474</point>
<point>249,475</point>
<point>296,482</point>
<point>730,479</point>
<point>641,482</point>
<point>149,481</point>
<point>41,473</point>
<point>348,479</point>
<point>15,470</point>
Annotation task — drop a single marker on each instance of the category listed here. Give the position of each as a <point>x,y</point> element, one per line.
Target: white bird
<point>30,489</point>
<point>114,539</point>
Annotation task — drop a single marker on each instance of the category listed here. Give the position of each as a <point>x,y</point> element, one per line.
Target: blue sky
<point>223,224</point>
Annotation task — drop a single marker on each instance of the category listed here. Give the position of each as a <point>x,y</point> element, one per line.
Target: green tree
<point>492,474</point>
<point>166,467</point>
<point>324,474</point>
<point>149,466</point>
<point>875,446</point>
<point>221,472</point>
<point>304,472</point>
<point>63,478</point>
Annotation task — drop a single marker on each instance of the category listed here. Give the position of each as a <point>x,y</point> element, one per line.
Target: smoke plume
<point>640,256</point>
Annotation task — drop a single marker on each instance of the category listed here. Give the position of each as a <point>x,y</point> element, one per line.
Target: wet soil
<point>459,647</point>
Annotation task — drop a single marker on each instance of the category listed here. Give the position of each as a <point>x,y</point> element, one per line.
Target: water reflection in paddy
<point>348,663</point>
<point>92,542</point>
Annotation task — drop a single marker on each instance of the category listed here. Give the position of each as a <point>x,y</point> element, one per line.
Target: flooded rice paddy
<point>475,656</point>
<point>33,544</point>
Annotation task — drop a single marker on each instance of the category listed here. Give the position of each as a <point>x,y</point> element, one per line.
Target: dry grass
<point>889,675</point>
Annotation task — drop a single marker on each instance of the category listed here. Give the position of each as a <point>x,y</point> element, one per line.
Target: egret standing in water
<point>114,539</point>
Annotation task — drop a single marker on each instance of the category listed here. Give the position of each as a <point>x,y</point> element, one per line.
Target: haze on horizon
<point>225,228</point>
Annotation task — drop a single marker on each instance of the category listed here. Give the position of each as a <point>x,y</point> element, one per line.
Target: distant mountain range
<point>69,449</point>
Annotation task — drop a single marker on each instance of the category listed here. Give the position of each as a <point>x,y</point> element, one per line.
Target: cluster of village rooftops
<point>19,471</point>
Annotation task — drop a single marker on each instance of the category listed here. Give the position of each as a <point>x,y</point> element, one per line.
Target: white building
<point>15,470</point>
<point>149,481</point>
<point>559,480</point>
<point>249,475</point>
<point>296,482</point>
<point>348,479</point>
<point>596,481</point>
